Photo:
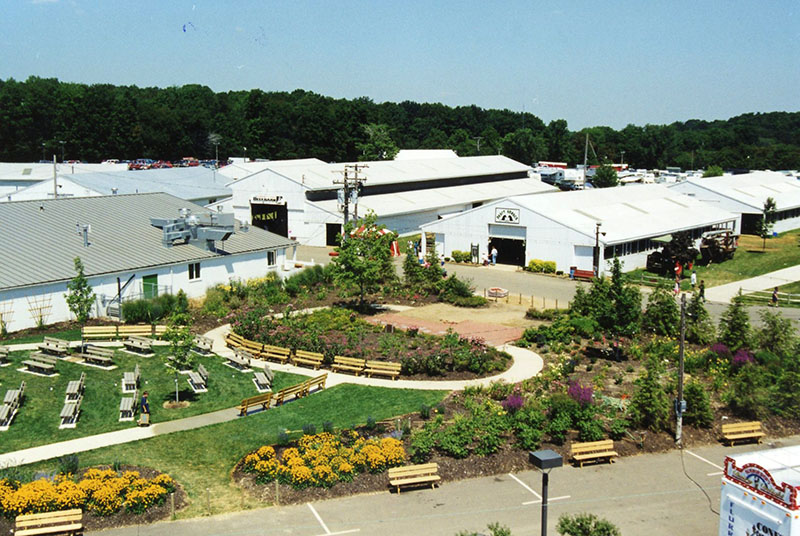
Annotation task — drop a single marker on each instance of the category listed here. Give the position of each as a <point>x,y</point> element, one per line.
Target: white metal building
<point>563,226</point>
<point>17,176</point>
<point>298,199</point>
<point>745,195</point>
<point>124,254</point>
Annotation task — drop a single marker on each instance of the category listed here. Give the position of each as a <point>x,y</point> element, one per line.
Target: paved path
<point>650,494</point>
<point>725,293</point>
<point>526,364</point>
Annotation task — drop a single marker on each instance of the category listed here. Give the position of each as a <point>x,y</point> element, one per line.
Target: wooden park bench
<point>253,347</point>
<point>414,475</point>
<point>75,388</point>
<point>295,391</point>
<point>4,351</point>
<point>70,412</point>
<point>240,360</point>
<point>742,431</point>
<point>127,406</point>
<point>583,275</point>
<point>130,380</point>
<point>42,363</point>
<point>203,345</point>
<point>136,330</point>
<point>11,402</point>
<point>60,522</point>
<point>275,353</point>
<point>262,400</point>
<point>199,380</point>
<point>263,380</point>
<point>97,355</point>
<point>593,450</point>
<point>348,364</point>
<point>138,344</point>
<point>159,330</point>
<point>233,340</point>
<point>318,382</point>
<point>99,333</point>
<point>304,357</point>
<point>383,368</point>
<point>54,346</point>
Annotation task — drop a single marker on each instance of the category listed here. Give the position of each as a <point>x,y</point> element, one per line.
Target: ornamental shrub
<point>582,394</point>
<point>698,406</point>
<point>649,407</point>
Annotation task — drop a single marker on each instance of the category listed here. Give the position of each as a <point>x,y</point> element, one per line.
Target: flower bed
<point>322,460</point>
<point>100,491</point>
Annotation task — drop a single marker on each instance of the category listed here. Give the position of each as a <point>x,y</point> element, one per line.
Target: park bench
<point>60,522</point>
<point>203,345</point>
<point>383,368</point>
<point>39,362</point>
<point>199,380</point>
<point>263,380</point>
<point>97,355</point>
<point>276,353</point>
<point>318,382</point>
<point>70,412</point>
<point>75,388</point>
<point>593,450</point>
<point>54,346</point>
<point>127,406</point>
<point>240,360</point>
<point>7,413</point>
<point>137,330</point>
<point>4,351</point>
<point>262,400</point>
<point>159,330</point>
<point>139,345</point>
<point>304,357</point>
<point>348,364</point>
<point>11,403</point>
<point>130,380</point>
<point>583,275</point>
<point>233,340</point>
<point>295,391</point>
<point>99,333</point>
<point>414,475</point>
<point>742,431</point>
<point>252,346</point>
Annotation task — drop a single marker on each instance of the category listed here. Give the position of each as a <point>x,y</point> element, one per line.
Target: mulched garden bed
<point>122,518</point>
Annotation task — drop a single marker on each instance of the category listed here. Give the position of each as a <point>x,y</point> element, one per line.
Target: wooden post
<point>544,306</point>
<point>531,300</point>
<point>172,504</point>
<point>520,298</point>
<point>208,502</point>
<point>556,303</point>
<point>277,499</point>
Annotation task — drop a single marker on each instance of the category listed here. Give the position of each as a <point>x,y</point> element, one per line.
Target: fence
<point>537,302</point>
<point>764,297</point>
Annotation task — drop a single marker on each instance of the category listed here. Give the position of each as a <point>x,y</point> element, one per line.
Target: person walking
<point>677,288</point>
<point>494,256</point>
<point>702,295</point>
<point>144,418</point>
<point>775,297</point>
<point>694,279</point>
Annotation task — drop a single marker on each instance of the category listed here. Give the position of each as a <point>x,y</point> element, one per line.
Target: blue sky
<point>591,63</point>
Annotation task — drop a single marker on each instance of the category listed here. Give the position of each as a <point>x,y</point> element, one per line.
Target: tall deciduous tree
<point>605,177</point>
<point>80,296</point>
<point>767,221</point>
<point>364,259</point>
<point>180,340</point>
<point>379,144</point>
<point>713,171</point>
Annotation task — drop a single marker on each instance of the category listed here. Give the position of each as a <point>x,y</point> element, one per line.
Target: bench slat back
<point>592,446</point>
<point>753,426</point>
<point>28,520</point>
<point>203,372</point>
<point>413,470</point>
<point>258,399</point>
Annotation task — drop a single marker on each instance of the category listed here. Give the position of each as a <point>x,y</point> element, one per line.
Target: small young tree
<point>649,407</point>
<point>605,177</point>
<point>180,340</point>
<point>713,171</point>
<point>776,335</point>
<point>767,221</point>
<point>699,327</point>
<point>412,270</point>
<point>662,316</point>
<point>698,406</point>
<point>585,525</point>
<point>80,296</point>
<point>734,325</point>
<point>364,259</point>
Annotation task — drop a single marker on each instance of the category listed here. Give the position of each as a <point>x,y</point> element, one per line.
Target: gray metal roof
<point>41,240</point>
<point>186,183</point>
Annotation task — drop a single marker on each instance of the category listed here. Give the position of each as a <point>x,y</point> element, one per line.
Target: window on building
<point>194,270</point>
<point>271,258</point>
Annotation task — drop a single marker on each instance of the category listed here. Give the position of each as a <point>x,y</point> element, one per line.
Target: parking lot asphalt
<point>653,494</point>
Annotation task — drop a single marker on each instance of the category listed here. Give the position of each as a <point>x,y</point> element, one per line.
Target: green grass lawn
<point>69,335</point>
<point>749,261</point>
<point>202,459</point>
<point>38,418</point>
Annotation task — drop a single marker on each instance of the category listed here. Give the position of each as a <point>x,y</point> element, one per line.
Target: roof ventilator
<point>201,230</point>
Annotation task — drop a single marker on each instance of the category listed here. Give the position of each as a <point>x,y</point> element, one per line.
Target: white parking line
<point>703,459</point>
<point>715,473</point>
<point>325,527</point>
<point>524,485</point>
<point>549,500</point>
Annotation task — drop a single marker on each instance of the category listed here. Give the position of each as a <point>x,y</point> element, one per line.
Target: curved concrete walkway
<point>526,364</point>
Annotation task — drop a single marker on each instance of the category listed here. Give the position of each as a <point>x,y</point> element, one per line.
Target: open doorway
<point>509,250</point>
<point>333,234</point>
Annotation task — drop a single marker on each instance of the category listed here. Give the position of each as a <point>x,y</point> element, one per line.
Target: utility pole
<point>349,184</point>
<point>585,160</point>
<point>596,252</point>
<point>680,404</point>
<point>622,158</point>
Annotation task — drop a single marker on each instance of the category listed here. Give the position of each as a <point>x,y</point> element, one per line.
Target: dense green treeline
<point>102,121</point>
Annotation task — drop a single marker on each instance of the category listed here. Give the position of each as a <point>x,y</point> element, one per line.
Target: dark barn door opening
<point>333,234</point>
<point>509,250</point>
<point>271,217</point>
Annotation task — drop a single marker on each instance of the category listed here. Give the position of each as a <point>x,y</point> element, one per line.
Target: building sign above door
<point>506,215</point>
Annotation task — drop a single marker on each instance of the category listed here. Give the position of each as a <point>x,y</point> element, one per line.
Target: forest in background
<point>101,121</point>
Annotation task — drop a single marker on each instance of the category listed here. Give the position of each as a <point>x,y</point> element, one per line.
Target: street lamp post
<point>596,255</point>
<point>62,142</point>
<point>245,153</point>
<point>43,156</point>
<point>545,460</point>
